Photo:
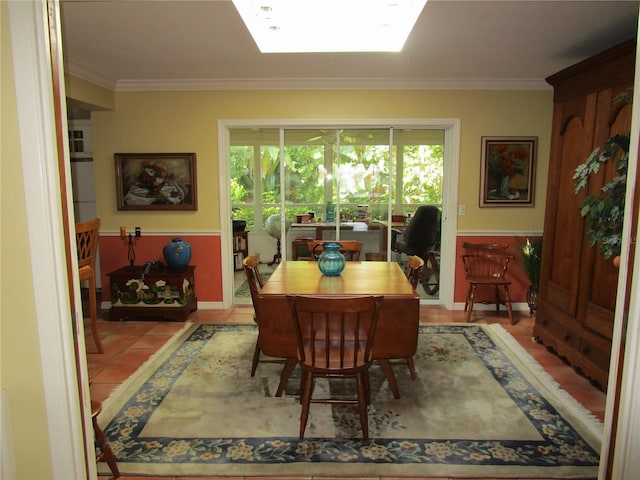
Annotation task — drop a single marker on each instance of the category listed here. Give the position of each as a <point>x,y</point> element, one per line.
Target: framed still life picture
<point>507,175</point>
<point>156,181</point>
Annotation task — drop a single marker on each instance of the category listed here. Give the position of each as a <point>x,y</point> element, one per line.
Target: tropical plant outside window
<point>347,168</point>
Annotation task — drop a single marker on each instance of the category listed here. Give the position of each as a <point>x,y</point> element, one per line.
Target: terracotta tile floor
<point>127,344</point>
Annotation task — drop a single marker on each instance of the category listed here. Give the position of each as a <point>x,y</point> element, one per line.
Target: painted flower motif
<point>504,453</point>
<point>347,456</point>
<point>209,456</point>
<point>375,452</point>
<point>134,412</point>
<point>153,445</point>
<point>240,451</point>
<point>574,452</point>
<point>176,448</point>
<point>160,283</point>
<point>440,450</point>
<point>278,444</point>
<point>504,160</point>
<point>478,456</point>
<point>309,448</point>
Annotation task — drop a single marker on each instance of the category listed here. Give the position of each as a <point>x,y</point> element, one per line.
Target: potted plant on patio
<point>604,212</point>
<point>531,259</point>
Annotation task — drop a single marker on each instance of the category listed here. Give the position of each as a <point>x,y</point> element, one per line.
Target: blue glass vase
<point>177,254</point>
<point>331,262</point>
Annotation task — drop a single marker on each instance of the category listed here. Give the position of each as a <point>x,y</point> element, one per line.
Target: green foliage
<point>362,170</point>
<point>531,259</point>
<point>604,213</point>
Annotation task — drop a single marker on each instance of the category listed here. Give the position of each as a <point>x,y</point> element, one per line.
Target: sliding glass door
<point>337,183</point>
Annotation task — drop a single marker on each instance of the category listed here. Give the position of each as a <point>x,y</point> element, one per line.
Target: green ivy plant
<point>604,212</point>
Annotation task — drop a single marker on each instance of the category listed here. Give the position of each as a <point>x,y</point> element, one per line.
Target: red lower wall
<point>205,255</point>
<point>520,283</point>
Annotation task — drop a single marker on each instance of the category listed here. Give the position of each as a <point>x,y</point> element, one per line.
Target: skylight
<point>296,26</point>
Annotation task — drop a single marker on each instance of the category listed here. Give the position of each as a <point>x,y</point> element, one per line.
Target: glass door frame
<point>451,129</point>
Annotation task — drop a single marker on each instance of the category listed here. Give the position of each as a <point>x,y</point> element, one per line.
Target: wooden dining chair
<point>484,248</point>
<point>87,245</point>
<point>413,271</point>
<point>349,248</point>
<point>335,336</point>
<point>102,443</point>
<point>250,265</point>
<point>487,270</point>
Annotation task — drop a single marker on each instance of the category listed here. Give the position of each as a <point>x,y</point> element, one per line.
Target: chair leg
<point>361,381</point>
<point>305,396</point>
<point>466,300</point>
<point>470,300</point>
<point>256,357</point>
<point>93,312</point>
<point>507,302</point>
<point>498,300</point>
<point>385,365</point>
<point>289,366</point>
<point>103,443</point>
<point>412,368</point>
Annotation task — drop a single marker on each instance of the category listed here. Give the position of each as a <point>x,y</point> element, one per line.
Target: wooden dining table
<point>397,331</point>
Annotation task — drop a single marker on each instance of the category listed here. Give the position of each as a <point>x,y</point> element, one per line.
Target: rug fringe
<point>594,424</point>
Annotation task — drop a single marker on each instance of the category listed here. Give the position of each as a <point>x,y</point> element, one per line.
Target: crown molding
<point>335,84</point>
<point>308,83</point>
<point>82,73</point>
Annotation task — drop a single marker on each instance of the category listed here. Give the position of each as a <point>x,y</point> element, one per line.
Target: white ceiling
<point>179,44</point>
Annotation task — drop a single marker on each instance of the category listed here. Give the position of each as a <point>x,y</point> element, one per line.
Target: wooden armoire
<point>577,291</point>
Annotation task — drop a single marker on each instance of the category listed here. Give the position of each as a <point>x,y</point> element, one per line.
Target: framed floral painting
<point>156,181</point>
<point>507,175</point>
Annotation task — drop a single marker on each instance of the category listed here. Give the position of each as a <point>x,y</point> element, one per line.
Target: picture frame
<point>156,181</point>
<point>507,172</point>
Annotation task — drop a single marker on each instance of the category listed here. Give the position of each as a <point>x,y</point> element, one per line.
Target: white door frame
<point>29,24</point>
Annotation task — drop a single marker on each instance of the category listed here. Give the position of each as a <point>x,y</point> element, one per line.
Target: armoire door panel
<point>599,320</point>
<point>565,251</point>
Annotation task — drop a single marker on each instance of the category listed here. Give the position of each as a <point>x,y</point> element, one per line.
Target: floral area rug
<point>479,407</point>
<point>243,290</point>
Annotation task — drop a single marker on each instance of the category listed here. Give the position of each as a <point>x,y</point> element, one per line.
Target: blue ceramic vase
<point>331,262</point>
<point>177,254</point>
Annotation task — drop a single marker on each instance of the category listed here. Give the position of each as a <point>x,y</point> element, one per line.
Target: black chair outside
<point>335,336</point>
<point>422,238</point>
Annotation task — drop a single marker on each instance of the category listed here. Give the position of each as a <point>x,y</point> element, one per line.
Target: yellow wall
<point>88,95</point>
<point>20,375</point>
<point>186,121</point>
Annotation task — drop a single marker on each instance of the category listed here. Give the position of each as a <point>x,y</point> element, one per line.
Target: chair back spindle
<point>335,339</point>
<point>87,234</point>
